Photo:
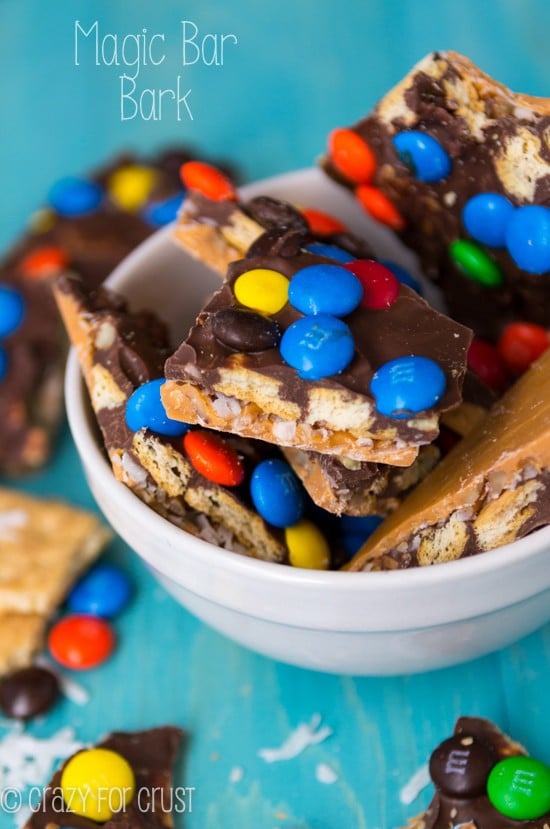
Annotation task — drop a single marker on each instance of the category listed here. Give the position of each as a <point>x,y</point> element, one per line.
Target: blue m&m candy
<point>354,531</point>
<point>407,385</point>
<point>330,252</point>
<point>161,213</point>
<point>486,217</point>
<point>325,289</point>
<point>528,238</point>
<point>103,591</point>
<point>402,275</point>
<point>75,196</point>
<point>318,346</point>
<point>423,154</point>
<point>276,493</point>
<point>145,410</point>
<point>12,310</point>
<point>3,363</point>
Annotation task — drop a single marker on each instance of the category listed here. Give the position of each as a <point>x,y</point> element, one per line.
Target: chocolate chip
<point>460,766</point>
<point>278,242</point>
<point>28,692</point>
<point>244,330</point>
<point>270,212</point>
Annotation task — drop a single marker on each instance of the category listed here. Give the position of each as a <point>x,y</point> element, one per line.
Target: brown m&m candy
<point>28,692</point>
<point>459,766</point>
<point>245,330</point>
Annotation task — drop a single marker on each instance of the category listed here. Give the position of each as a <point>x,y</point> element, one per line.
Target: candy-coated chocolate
<point>12,309</point>
<point>28,692</point>
<point>354,531</point>
<point>403,275</point>
<point>528,238</point>
<point>145,410</point>
<point>475,263</point>
<point>161,213</point>
<point>486,217</point>
<point>208,180</point>
<point>379,206</point>
<point>521,343</point>
<point>325,289</point>
<point>44,262</point>
<point>3,363</point>
<point>130,187</point>
<point>380,287</point>
<point>330,252</point>
<point>276,493</point>
<point>245,330</point>
<point>351,155</point>
<point>485,360</point>
<point>213,457</point>
<point>459,766</point>
<point>307,546</point>
<point>104,591</point>
<point>317,346</point>
<point>80,642</point>
<point>262,289</point>
<point>427,159</point>
<point>97,783</point>
<point>321,223</point>
<point>75,196</point>
<point>407,385</point>
<point>519,787</point>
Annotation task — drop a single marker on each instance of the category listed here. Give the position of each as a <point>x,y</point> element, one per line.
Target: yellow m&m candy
<point>307,546</point>
<point>97,783</point>
<point>131,186</point>
<point>262,289</point>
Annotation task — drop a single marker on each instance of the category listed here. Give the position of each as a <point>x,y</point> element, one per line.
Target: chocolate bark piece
<point>259,395</point>
<point>491,489</point>
<point>497,142</point>
<point>151,755</point>
<point>46,545</point>
<point>119,350</point>
<point>459,769</point>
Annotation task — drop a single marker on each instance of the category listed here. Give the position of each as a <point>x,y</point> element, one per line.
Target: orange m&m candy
<point>379,206</point>
<point>208,180</point>
<point>80,642</point>
<point>44,262</point>
<point>351,155</point>
<point>212,457</point>
<point>322,224</point>
<point>521,343</point>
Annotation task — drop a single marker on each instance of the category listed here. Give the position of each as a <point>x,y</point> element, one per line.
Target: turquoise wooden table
<point>297,70</point>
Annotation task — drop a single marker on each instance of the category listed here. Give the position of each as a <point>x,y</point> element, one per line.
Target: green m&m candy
<point>475,263</point>
<point>519,788</point>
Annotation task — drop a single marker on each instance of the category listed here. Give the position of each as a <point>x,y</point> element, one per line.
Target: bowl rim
<point>80,420</point>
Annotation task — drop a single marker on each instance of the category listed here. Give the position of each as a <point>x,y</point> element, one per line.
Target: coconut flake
<point>133,469</point>
<point>306,734</point>
<point>416,784</point>
<point>284,430</point>
<point>226,406</point>
<point>325,774</point>
<point>236,774</point>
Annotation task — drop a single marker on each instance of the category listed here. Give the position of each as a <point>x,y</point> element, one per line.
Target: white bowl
<point>346,623</point>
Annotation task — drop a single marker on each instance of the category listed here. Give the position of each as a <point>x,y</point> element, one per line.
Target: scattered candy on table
<point>519,787</point>
<point>277,493</point>
<point>145,410</point>
<point>28,692</point>
<point>96,783</point>
<point>75,196</point>
<point>81,642</point>
<point>104,591</point>
<point>407,385</point>
<point>426,158</point>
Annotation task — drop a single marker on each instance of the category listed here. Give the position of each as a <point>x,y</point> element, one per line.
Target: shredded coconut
<point>325,774</point>
<point>306,734</point>
<point>416,784</point>
<point>10,521</point>
<point>284,429</point>
<point>136,472</point>
<point>226,406</point>
<point>236,774</point>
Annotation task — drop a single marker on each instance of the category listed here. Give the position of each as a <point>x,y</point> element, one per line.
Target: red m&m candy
<point>351,155</point>
<point>212,457</point>
<point>208,180</point>
<point>521,344</point>
<point>322,224</point>
<point>484,360</point>
<point>380,285</point>
<point>44,262</point>
<point>80,642</point>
